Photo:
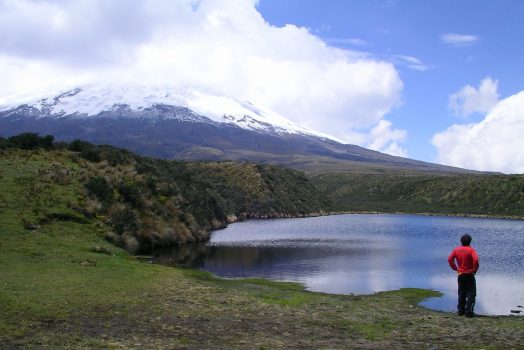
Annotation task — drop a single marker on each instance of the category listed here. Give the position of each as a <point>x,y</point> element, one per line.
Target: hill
<point>144,202</point>
<point>458,194</point>
<point>186,124</point>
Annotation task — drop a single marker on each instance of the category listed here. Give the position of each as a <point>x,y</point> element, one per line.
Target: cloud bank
<point>494,144</point>
<point>222,45</point>
<point>469,100</point>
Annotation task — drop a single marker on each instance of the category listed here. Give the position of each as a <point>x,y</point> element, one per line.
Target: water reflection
<point>363,254</point>
<point>497,293</point>
<point>188,255</point>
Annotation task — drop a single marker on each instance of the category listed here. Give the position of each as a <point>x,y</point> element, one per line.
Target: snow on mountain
<point>90,101</point>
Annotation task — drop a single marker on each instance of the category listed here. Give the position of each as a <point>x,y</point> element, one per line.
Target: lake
<point>363,254</point>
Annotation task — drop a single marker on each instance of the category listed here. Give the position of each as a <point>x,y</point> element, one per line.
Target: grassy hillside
<point>144,202</point>
<point>260,190</point>
<point>491,195</point>
<point>63,286</point>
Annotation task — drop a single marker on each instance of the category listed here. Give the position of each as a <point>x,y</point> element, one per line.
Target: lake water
<point>363,254</point>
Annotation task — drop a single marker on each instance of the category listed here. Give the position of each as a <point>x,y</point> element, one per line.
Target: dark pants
<point>467,291</point>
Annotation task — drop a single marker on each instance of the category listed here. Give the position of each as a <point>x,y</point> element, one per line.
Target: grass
<point>464,194</point>
<point>62,286</point>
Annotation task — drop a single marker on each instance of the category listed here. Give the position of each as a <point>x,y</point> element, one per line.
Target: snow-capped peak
<point>89,101</point>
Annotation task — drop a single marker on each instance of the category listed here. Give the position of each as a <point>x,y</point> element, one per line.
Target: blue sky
<point>439,81</point>
<point>390,28</point>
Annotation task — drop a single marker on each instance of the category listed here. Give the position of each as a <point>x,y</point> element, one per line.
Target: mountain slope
<point>143,202</point>
<point>191,125</point>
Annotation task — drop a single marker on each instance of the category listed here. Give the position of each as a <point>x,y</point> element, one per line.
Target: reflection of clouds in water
<point>378,270</point>
<point>496,294</point>
<point>341,282</point>
<point>328,228</point>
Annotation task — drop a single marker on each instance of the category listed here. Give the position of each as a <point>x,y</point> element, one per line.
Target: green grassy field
<point>62,286</point>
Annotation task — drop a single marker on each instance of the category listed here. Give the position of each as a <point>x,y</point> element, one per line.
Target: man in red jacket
<point>468,264</point>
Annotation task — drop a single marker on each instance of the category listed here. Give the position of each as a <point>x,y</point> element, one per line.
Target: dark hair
<point>465,240</point>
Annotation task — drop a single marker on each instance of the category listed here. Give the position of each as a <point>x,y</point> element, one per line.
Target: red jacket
<point>467,259</point>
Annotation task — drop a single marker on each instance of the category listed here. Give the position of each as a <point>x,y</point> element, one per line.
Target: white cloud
<point>469,100</point>
<point>395,150</point>
<point>85,33</point>
<point>411,62</point>
<point>494,144</point>
<point>453,39</point>
<point>224,45</point>
<point>31,75</point>
<point>384,138</point>
<point>346,41</point>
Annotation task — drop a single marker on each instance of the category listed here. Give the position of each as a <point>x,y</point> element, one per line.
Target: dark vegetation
<point>146,202</point>
<point>150,202</point>
<point>27,141</point>
<point>464,194</point>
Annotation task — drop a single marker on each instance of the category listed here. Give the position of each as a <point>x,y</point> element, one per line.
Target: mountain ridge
<point>201,126</point>
<point>91,101</point>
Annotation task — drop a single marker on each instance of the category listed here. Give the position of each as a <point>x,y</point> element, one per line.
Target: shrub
<point>124,220</point>
<point>100,188</point>
<point>114,156</point>
<point>130,193</point>
<point>79,146</point>
<point>4,143</point>
<point>87,151</point>
<point>31,140</point>
<point>91,154</point>
<point>61,145</point>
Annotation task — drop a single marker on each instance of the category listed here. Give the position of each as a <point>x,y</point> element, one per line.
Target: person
<point>466,267</point>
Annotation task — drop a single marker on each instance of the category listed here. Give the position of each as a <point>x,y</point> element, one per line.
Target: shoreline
<point>463,215</point>
<point>433,293</point>
<point>234,219</point>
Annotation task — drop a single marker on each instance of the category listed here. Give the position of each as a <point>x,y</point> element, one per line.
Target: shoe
<point>470,314</point>
<point>461,313</point>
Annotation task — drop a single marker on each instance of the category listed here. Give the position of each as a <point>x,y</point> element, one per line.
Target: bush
<point>61,145</point>
<point>114,156</point>
<point>87,151</point>
<point>31,140</point>
<point>79,146</point>
<point>124,220</point>
<point>4,143</point>
<point>92,155</point>
<point>130,193</point>
<point>100,188</point>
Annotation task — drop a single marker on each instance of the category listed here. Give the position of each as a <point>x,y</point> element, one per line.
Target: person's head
<point>465,240</point>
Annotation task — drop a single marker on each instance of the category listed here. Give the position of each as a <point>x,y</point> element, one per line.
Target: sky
<point>439,81</point>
